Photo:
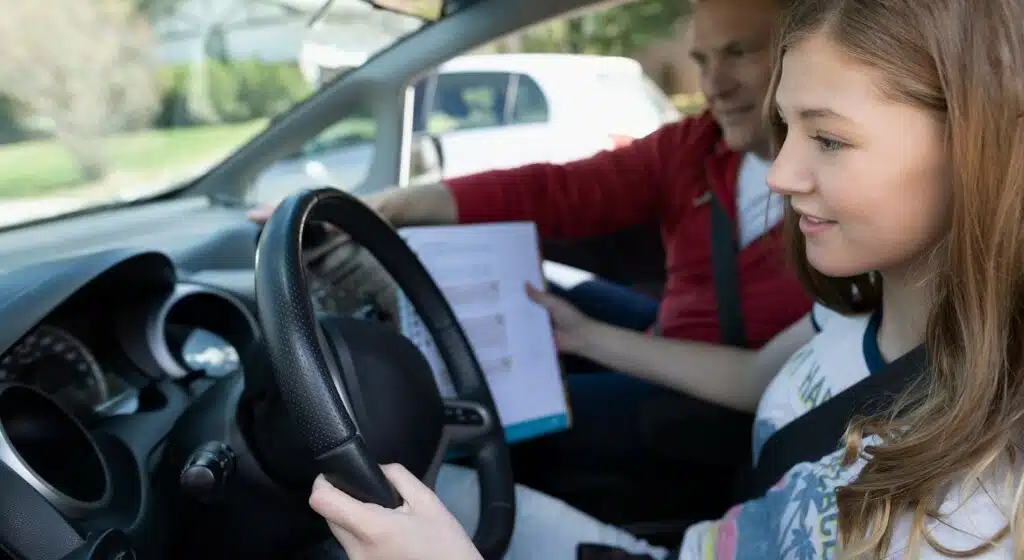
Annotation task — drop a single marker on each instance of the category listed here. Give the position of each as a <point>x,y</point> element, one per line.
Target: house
<point>273,30</point>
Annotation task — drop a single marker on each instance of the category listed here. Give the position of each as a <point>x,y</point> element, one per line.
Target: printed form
<point>483,271</point>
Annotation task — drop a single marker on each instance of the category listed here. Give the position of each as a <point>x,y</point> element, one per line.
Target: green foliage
<point>173,98</point>
<point>620,31</point>
<point>11,128</point>
<point>154,9</point>
<point>235,91</point>
<point>626,29</point>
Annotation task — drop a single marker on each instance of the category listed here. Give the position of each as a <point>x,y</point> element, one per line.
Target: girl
<point>900,126</point>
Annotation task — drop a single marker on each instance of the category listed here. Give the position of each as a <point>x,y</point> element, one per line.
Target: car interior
<point>170,385</point>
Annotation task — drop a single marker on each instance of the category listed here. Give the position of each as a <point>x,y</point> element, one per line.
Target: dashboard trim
<point>29,295</point>
<point>146,343</point>
<point>68,505</point>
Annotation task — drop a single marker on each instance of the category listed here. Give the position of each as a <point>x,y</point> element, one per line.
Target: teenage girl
<point>899,127</point>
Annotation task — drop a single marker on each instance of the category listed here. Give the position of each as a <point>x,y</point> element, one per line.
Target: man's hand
<point>378,202</point>
<point>419,529</point>
<point>349,273</point>
<point>573,329</point>
<point>424,205</point>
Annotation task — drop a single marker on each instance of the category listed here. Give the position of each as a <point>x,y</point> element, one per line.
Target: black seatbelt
<point>819,432</point>
<point>726,275</point>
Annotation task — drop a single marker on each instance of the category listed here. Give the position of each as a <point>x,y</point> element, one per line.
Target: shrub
<point>228,92</point>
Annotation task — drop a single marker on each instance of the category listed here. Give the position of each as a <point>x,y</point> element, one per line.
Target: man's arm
<point>606,192</point>
<point>729,376</point>
<point>609,191</point>
<point>414,206</point>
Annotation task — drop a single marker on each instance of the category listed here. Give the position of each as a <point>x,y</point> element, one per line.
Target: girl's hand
<point>573,329</point>
<point>421,529</point>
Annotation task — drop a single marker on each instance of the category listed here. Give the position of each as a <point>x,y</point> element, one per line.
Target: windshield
<point>104,101</point>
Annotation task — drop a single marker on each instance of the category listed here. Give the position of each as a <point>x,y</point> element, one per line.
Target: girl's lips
<point>812,226</point>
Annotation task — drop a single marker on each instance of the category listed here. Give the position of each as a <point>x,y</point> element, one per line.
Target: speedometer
<point>54,361</point>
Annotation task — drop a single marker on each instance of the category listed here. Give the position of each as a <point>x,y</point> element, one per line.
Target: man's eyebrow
<point>724,47</point>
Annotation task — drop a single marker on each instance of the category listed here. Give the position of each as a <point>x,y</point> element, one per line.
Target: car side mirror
<point>426,159</point>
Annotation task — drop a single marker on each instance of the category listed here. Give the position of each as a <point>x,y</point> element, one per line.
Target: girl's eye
<point>828,144</point>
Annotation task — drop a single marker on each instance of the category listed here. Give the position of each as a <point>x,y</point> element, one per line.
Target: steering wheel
<point>315,365</point>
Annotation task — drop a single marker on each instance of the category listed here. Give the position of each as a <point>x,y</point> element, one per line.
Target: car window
<point>357,128</point>
<point>530,104</point>
<point>631,97</point>
<point>658,98</point>
<point>339,156</point>
<point>465,100</point>
<point>419,99</point>
<point>162,91</point>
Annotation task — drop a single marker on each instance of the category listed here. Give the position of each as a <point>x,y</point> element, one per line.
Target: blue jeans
<point>612,303</point>
<point>625,429</point>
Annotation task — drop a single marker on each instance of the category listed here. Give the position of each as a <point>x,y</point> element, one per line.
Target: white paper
<point>483,271</point>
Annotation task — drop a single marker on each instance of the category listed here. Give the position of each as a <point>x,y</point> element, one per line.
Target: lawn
<point>37,168</point>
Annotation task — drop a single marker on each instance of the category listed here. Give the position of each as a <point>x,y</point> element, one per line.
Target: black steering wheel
<point>341,381</point>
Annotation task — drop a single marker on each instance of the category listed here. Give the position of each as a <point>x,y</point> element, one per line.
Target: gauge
<point>206,352</point>
<point>54,361</point>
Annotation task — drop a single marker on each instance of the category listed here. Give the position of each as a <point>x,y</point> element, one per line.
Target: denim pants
<point>624,428</point>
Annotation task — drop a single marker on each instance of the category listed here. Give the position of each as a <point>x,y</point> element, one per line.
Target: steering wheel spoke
<point>465,422</point>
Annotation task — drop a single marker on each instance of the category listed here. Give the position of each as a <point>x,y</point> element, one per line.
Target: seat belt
<point>819,432</point>
<point>726,276</point>
<point>810,437</point>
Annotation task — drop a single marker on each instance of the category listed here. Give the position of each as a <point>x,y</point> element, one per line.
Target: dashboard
<point>142,353</point>
<point>97,350</point>
<point>65,367</point>
<point>93,324</point>
<point>124,345</point>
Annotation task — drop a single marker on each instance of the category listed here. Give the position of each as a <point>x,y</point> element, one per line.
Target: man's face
<point>732,49</point>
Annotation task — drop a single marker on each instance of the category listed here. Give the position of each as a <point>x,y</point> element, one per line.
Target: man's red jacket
<point>664,177</point>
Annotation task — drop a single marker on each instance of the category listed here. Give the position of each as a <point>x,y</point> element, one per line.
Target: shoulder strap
<point>819,432</point>
<point>726,276</point>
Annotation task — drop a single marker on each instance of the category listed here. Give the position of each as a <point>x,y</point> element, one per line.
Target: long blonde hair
<point>964,61</point>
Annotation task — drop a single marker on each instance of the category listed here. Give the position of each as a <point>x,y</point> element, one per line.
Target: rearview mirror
<point>430,10</point>
<point>426,160</point>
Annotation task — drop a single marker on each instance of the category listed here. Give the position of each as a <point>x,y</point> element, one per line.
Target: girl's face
<point>866,175</point>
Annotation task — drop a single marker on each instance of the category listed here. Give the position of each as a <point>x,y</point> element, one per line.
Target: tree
<point>87,66</point>
<point>619,31</point>
<point>155,9</point>
<point>626,29</point>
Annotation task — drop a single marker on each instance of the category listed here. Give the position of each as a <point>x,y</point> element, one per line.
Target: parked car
<point>492,111</point>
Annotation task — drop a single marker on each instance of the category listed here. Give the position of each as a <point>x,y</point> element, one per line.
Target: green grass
<point>38,168</point>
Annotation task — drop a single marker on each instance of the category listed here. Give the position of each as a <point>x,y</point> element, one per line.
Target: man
<point>624,422</point>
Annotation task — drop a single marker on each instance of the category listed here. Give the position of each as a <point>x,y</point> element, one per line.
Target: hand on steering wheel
<point>316,363</point>
<point>421,528</point>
